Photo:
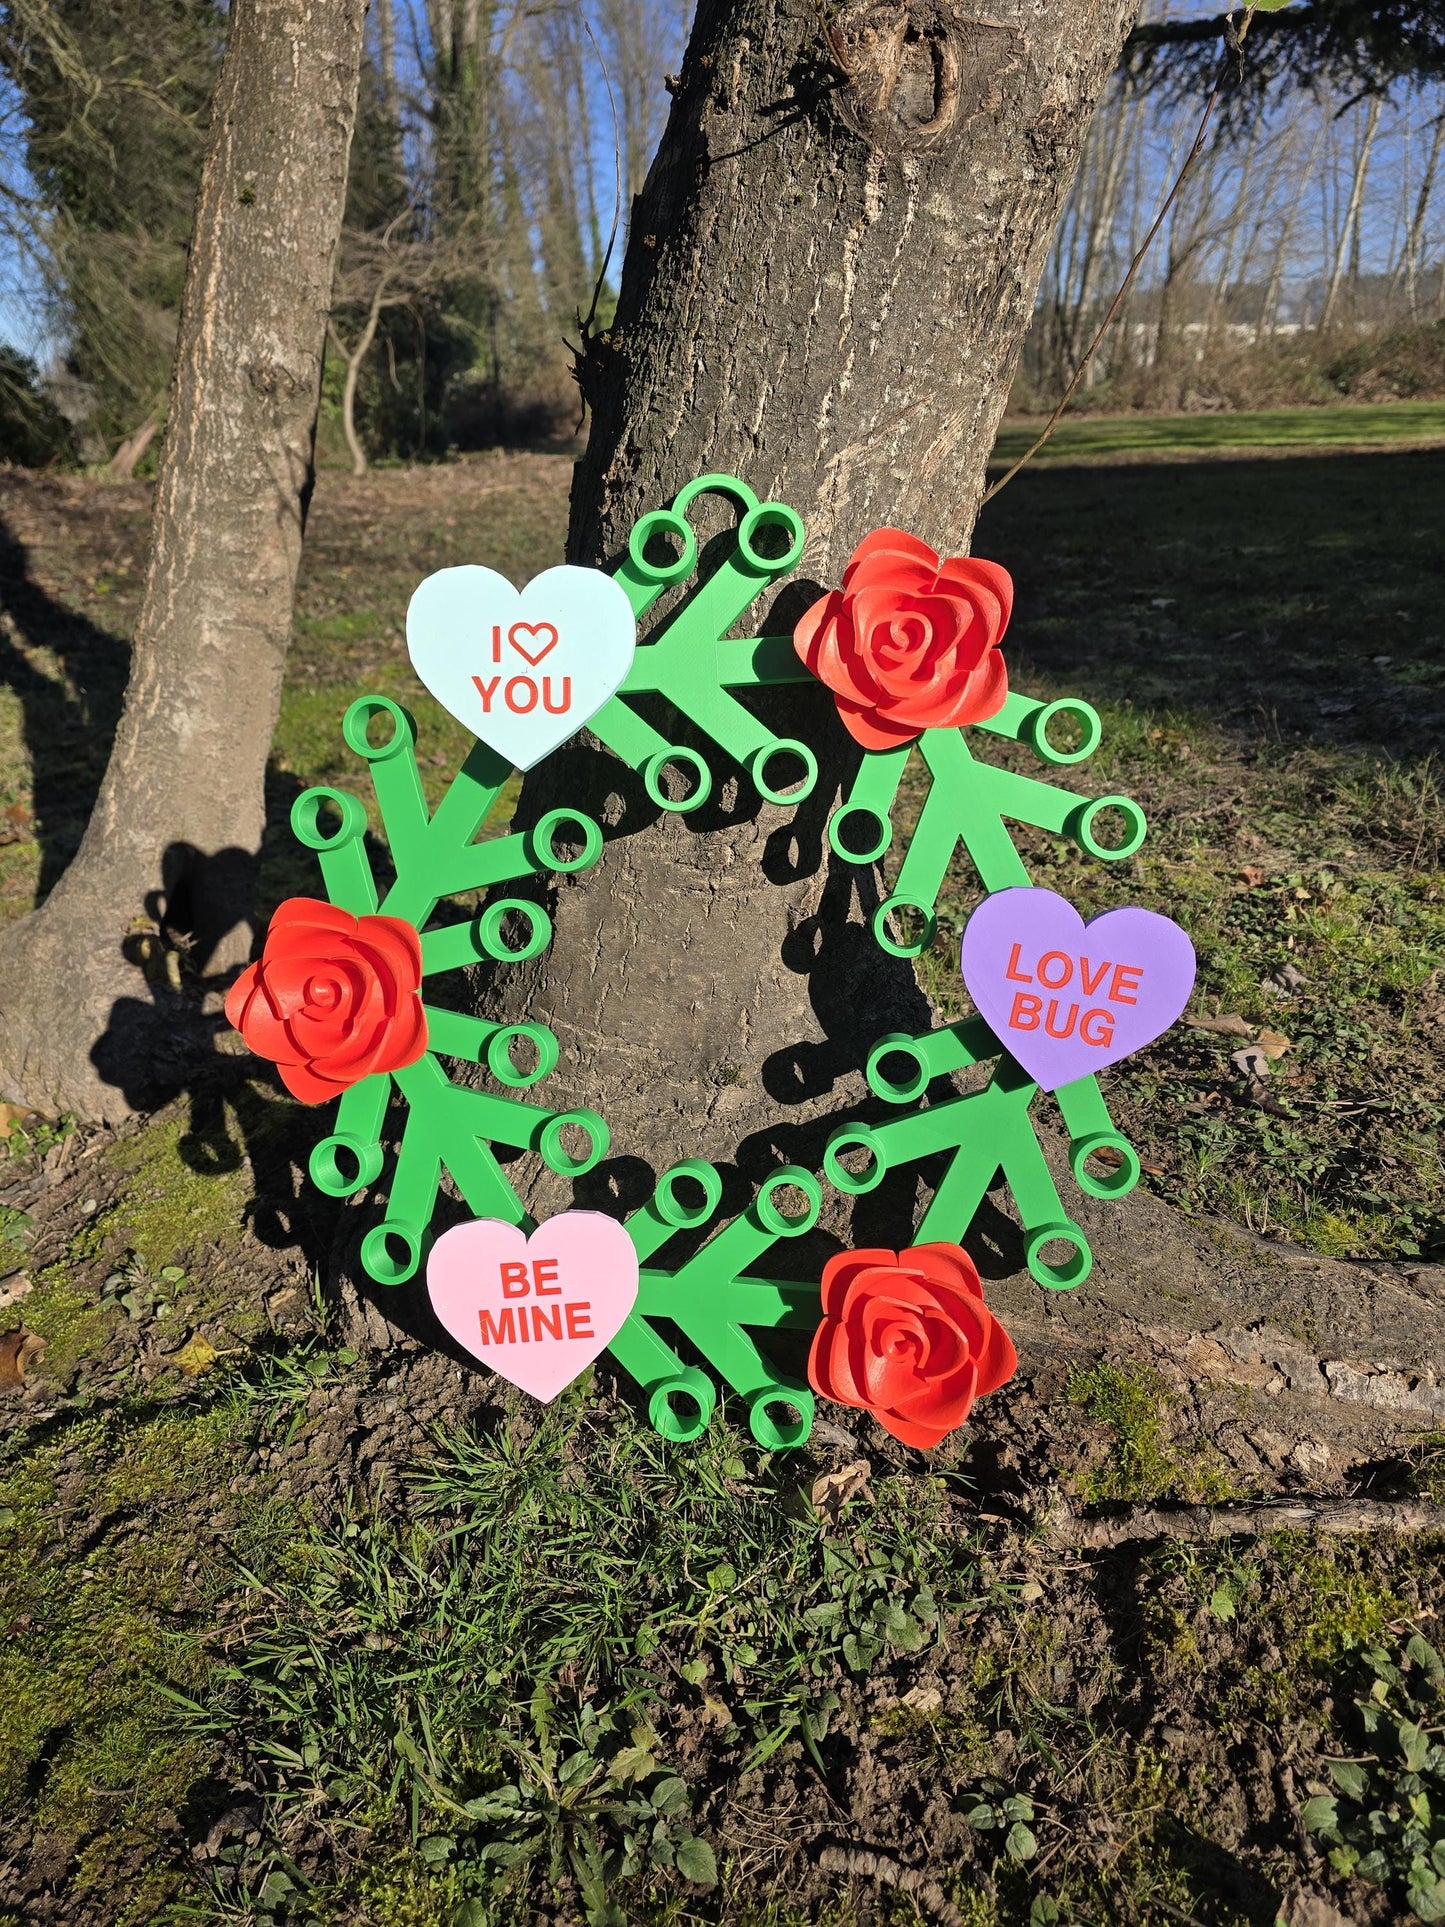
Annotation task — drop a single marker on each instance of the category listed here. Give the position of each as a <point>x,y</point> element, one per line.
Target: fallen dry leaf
<point>713,1709</point>
<point>1273,1043</point>
<point>1289,978</point>
<point>17,825</point>
<point>19,1350</point>
<point>831,1491</point>
<point>1251,1062</point>
<point>197,1355</point>
<point>1231,1026</point>
<point>1250,877</point>
<point>16,1117</point>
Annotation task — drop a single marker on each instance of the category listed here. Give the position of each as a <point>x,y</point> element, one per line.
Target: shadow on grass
<point>1297,598</point>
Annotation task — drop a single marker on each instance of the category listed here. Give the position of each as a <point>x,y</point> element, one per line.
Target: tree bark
<point>176,829</point>
<point>829,274</point>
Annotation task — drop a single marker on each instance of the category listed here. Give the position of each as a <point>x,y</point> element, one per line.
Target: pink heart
<point>538,1310</point>
<point>536,630</point>
<point>1065,998</point>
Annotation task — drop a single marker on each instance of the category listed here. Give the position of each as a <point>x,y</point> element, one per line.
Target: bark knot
<point>914,71</point>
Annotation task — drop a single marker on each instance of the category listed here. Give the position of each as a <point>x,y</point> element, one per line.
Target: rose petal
<point>842,1268</point>
<point>889,542</point>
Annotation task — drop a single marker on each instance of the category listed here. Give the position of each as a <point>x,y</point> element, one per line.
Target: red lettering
<point>1091,984</point>
<point>1054,983</point>
<point>579,1320</point>
<point>486,690</point>
<point>496,646</point>
<point>513,699</point>
<point>1126,978</point>
<point>556,709</point>
<point>514,1281</point>
<point>1051,1019</point>
<point>546,1318</point>
<point>498,1332</point>
<point>544,1278</point>
<point>1097,1027</point>
<point>1013,973</point>
<point>1025,1013</point>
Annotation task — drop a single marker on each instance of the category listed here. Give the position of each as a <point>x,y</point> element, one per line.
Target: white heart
<point>521,698</point>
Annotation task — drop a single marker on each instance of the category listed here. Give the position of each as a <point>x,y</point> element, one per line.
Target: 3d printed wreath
<point>909,647</point>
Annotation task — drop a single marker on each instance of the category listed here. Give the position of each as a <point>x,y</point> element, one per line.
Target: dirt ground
<point>305,1621</point>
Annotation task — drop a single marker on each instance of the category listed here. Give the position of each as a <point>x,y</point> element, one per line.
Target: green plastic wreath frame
<point>720,1298</point>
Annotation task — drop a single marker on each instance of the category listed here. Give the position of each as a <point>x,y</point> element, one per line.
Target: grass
<point>514,1656</point>
<point>1102,437</point>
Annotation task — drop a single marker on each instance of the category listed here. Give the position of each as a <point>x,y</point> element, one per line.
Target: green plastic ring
<point>662,522</point>
<point>1073,1271</point>
<point>880,843</point>
<point>783,746</point>
<point>499,1055</point>
<point>776,1221</point>
<point>306,818</point>
<point>489,929</point>
<point>670,1207</point>
<point>556,1156</point>
<point>1081,827</point>
<point>771,515</point>
<point>772,1436</point>
<point>326,1172</point>
<point>376,1254</point>
<point>362,712</point>
<point>1037,726</point>
<point>652,778</point>
<point>728,485</point>
<point>539,841</point>
<point>689,1383</point>
<point>1118,1183</point>
<point>854,1137</point>
<point>898,1043</point>
<point>880,926</point>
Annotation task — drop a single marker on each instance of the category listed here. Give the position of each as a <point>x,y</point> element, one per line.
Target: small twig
<point>1201,1522</point>
<point>1235,52</point>
<point>606,262</point>
<point>889,1872</point>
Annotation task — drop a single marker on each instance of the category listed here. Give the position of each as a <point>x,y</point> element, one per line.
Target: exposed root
<point>889,1872</point>
<point>1199,1522</point>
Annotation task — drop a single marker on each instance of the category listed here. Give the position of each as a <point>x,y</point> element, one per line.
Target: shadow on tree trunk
<point>69,718</point>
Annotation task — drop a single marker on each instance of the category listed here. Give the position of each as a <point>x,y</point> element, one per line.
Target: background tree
<point>115,96</point>
<point>177,826</point>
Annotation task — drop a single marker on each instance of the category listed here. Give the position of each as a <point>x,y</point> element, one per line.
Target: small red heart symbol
<point>535,630</point>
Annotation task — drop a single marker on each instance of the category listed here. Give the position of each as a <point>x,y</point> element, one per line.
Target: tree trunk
<point>1352,212</point>
<point>177,826</point>
<point>828,278</point>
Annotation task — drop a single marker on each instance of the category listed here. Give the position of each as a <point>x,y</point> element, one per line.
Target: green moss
<point>97,1556</point>
<point>1339,1600</point>
<point>70,1320</point>
<point>167,1209</point>
<point>1140,1464</point>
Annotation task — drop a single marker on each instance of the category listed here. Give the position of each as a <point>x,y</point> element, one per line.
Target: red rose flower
<point>333,998</point>
<point>907,1337</point>
<point>910,641</point>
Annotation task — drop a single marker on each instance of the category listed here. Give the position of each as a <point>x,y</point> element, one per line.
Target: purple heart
<point>1065,997</point>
